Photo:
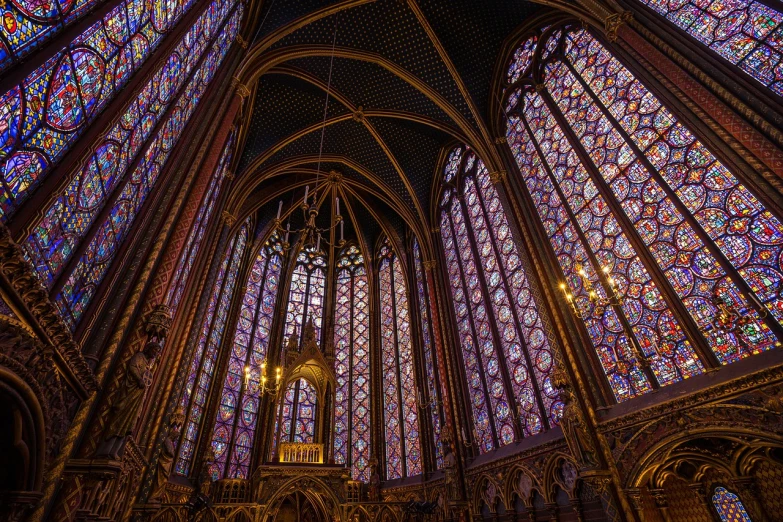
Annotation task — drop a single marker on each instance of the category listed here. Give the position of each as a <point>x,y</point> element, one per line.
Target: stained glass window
<point>306,297</point>
<point>298,413</point>
<point>400,409</point>
<point>235,426</point>
<point>27,24</point>
<point>352,365</point>
<point>496,305</point>
<point>745,33</point>
<point>639,212</point>
<point>729,506</point>
<point>198,229</point>
<point>64,225</point>
<point>50,108</point>
<point>202,365</point>
<point>430,358</point>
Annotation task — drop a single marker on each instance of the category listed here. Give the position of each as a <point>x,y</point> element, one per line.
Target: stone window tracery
<point>634,204</point>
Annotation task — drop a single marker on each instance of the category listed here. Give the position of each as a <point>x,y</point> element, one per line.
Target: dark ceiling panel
<point>350,139</point>
<point>416,147</point>
<point>277,13</point>
<point>390,29</point>
<point>371,86</point>
<point>472,33</point>
<point>283,105</point>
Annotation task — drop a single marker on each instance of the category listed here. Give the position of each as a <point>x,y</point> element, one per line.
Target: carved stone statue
<point>576,434</point>
<point>129,398</point>
<point>292,345</point>
<point>450,466</point>
<point>166,458</point>
<point>309,335</point>
<point>374,487</point>
<point>204,483</point>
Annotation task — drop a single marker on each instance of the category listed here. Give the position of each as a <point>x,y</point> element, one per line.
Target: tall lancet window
<point>352,365</point>
<point>745,33</point>
<point>729,506</point>
<point>298,412</point>
<point>52,106</point>
<point>400,413</point>
<point>296,419</point>
<point>235,426</point>
<point>669,259</point>
<point>306,297</point>
<point>74,244</point>
<point>202,365</point>
<point>505,348</point>
<point>198,229</point>
<point>432,399</point>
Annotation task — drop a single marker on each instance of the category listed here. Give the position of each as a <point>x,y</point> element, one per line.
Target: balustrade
<point>301,453</point>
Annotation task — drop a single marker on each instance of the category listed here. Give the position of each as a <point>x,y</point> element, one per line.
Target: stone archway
<point>298,506</point>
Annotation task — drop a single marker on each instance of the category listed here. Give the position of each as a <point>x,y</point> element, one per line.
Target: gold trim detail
<point>228,218</point>
<point>497,177</point>
<point>241,89</point>
<point>613,23</point>
<point>36,298</point>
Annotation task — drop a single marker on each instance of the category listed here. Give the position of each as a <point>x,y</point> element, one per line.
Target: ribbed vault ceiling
<point>408,78</point>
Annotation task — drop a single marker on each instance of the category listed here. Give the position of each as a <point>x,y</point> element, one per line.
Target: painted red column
<point>437,333</point>
<point>755,142</point>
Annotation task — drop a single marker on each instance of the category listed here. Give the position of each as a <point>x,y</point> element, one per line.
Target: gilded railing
<point>301,453</point>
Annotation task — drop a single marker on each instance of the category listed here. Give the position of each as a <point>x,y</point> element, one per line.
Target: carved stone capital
<point>659,496</point>
<point>497,176</point>
<point>635,497</point>
<point>241,89</point>
<point>242,42</point>
<point>229,176</point>
<point>16,505</point>
<point>613,23</point>
<point>501,140</point>
<point>158,322</point>
<point>429,264</point>
<point>228,218</point>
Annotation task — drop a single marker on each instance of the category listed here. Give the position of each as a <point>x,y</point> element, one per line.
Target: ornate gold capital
<point>241,89</point>
<point>242,42</point>
<point>228,218</point>
<point>497,176</point>
<point>540,87</point>
<point>435,230</point>
<point>158,322</point>
<point>429,264</point>
<point>613,23</point>
<point>501,140</point>
<point>229,175</point>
